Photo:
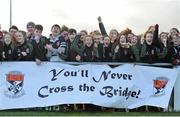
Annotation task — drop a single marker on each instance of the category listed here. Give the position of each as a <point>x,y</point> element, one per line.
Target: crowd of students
<point>65,44</point>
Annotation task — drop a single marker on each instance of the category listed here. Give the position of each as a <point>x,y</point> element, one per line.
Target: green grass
<point>45,113</point>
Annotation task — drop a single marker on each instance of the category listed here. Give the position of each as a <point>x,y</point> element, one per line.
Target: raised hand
<point>24,53</point>
<point>49,47</point>
<point>38,62</point>
<point>78,58</point>
<point>99,19</point>
<point>116,49</point>
<point>95,45</point>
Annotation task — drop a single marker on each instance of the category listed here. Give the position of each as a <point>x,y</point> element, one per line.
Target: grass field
<point>45,113</point>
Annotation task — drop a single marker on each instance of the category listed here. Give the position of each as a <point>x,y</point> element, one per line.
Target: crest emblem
<point>159,85</point>
<point>14,84</point>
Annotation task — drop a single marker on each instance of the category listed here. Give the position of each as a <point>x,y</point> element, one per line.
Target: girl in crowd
<point>161,43</point>
<point>148,50</point>
<point>23,50</point>
<point>113,35</point>
<point>97,37</point>
<point>163,50</point>
<point>172,32</point>
<point>129,37</point>
<point>128,33</point>
<point>176,49</point>
<point>8,48</point>
<point>122,51</point>
<point>105,50</point>
<point>90,53</point>
<point>78,46</point>
<point>135,47</point>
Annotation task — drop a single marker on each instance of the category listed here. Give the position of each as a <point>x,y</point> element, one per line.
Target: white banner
<point>177,92</point>
<point>25,84</point>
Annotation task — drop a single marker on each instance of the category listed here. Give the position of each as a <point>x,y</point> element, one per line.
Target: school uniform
<point>60,49</point>
<point>148,53</point>
<point>102,29</point>
<point>90,54</point>
<point>78,47</point>
<point>105,52</point>
<point>176,55</point>
<point>25,47</point>
<point>39,50</point>
<point>31,38</point>
<point>8,52</point>
<point>63,50</point>
<point>124,54</point>
<point>136,52</point>
<point>156,41</point>
<point>164,54</point>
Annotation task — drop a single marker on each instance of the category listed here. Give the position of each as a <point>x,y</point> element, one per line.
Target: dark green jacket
<point>102,29</point>
<point>90,54</point>
<point>136,52</point>
<point>78,46</point>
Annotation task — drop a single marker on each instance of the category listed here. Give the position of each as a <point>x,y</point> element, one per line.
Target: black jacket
<point>124,55</point>
<point>9,52</point>
<point>25,47</point>
<point>39,50</point>
<point>105,53</point>
<point>148,53</point>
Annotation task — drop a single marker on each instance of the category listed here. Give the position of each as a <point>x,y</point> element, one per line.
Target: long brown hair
<point>24,35</point>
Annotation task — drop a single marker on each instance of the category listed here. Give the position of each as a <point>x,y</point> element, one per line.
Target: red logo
<point>159,84</point>
<point>14,83</point>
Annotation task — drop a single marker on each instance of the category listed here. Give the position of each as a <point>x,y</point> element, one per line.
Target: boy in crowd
<point>13,30</point>
<point>38,42</point>
<point>30,30</point>
<point>58,47</point>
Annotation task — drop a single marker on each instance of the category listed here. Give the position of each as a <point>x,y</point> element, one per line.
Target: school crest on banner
<point>14,84</point>
<point>159,86</point>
